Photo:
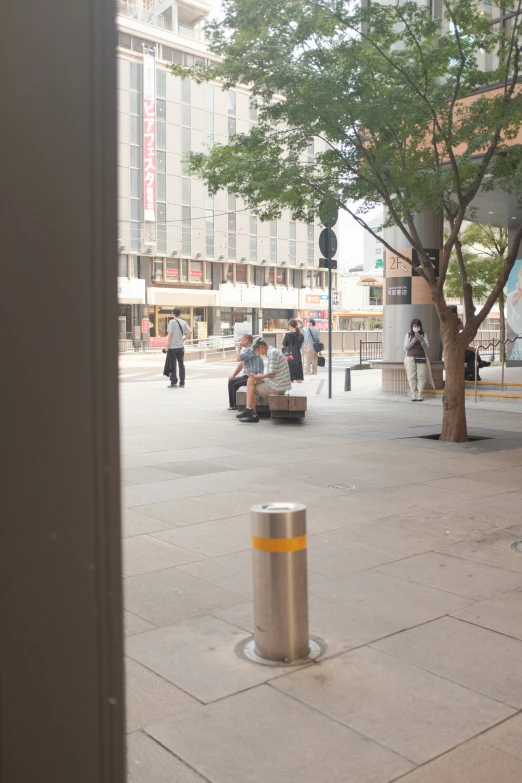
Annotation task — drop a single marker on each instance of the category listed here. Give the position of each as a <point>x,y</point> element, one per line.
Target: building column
<point>406,295</point>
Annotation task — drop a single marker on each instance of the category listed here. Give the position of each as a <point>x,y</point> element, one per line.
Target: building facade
<point>226,270</point>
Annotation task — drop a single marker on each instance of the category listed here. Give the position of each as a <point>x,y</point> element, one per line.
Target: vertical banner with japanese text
<point>149,135</point>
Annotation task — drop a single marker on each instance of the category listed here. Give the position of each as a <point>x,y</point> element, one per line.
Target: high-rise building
<point>178,246</point>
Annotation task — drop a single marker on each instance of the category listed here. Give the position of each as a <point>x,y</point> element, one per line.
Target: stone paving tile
<point>398,705</point>
<point>210,539</point>
<point>150,699</point>
<point>147,475</point>
<point>262,735</point>
<point>337,558</point>
<point>502,614</point>
<point>160,491</point>
<point>199,657</point>
<point>148,762</point>
<point>492,549</point>
<point>142,554</point>
<point>453,524</point>
<point>194,468</point>
<point>473,762</point>
<point>461,577</point>
<point>477,658</point>
<point>389,598</point>
<point>190,511</point>
<point>477,488</point>
<point>133,624</point>
<point>135,523</point>
<point>391,540</point>
<point>168,596</point>
<point>506,737</point>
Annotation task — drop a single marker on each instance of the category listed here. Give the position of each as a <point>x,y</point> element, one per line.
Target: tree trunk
<point>454,427</point>
<point>502,327</point>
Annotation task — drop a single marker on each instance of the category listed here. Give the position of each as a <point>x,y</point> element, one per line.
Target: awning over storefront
<point>131,290</point>
<point>239,295</point>
<point>187,297</point>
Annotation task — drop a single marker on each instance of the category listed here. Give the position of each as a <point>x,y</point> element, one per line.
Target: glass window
<point>258,275</point>
<point>134,268</point>
<point>241,273</point>
<point>196,271</point>
<point>292,229</point>
<point>231,103</point>
<point>161,162</point>
<point>184,269</point>
<point>253,110</point>
<point>161,187</point>
<point>157,272</point>
<point>125,41</point>
<point>172,269</point>
<point>232,246</point>
<point>186,232</point>
<point>292,255</point>
<point>135,209</point>
<point>253,224</point>
<point>185,191</point>
<point>209,236</point>
<point>231,221</point>
<point>188,59</point>
<point>271,276</point>
<point>161,134</point>
<point>135,232</point>
<point>161,210</point>
<point>186,113</point>
<point>311,255</point>
<point>135,130</point>
<point>185,91</point>
<point>253,248</point>
<point>161,108</point>
<point>123,266</point>
<point>209,97</point>
<point>310,230</point>
<point>273,250</point>
<point>273,228</point>
<point>295,278</point>
<point>185,140</point>
<point>375,295</point>
<point>135,183</point>
<point>310,152</point>
<point>135,161</point>
<point>135,77</point>
<point>161,238</point>
<point>135,103</point>
<point>231,202</point>
<point>230,273</point>
<point>209,122</point>
<point>280,277</point>
<point>231,126</point>
<point>161,83</point>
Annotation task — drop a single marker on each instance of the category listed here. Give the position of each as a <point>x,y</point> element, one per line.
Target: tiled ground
<point>414,587</point>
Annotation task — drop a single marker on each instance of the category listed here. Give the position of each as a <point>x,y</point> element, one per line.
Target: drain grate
<point>517,546</point>
<point>342,487</point>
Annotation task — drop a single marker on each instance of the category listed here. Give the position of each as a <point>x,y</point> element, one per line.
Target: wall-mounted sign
<point>398,291</point>
<point>196,274</point>
<point>172,273</point>
<point>149,135</point>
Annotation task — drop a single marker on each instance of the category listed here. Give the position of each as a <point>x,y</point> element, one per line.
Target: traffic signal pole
<point>330,318</point>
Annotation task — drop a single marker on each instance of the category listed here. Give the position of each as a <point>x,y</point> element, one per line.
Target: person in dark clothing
<point>292,345</point>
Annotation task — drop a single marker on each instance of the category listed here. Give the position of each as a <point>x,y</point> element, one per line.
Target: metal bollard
<point>280,581</point>
<point>347,379</point>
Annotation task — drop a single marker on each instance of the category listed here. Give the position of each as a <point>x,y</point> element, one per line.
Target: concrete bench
<point>283,407</point>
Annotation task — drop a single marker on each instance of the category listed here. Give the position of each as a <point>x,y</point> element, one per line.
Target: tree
<point>484,250</point>
<point>387,89</point>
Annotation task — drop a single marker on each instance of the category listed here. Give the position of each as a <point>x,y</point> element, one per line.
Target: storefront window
<point>295,278</point>
<point>123,266</point>
<point>280,276</point>
<point>375,295</point>
<point>172,270</point>
<point>241,273</point>
<point>157,272</point>
<point>230,273</point>
<point>184,269</point>
<point>271,276</point>
<point>196,271</point>
<point>274,320</point>
<point>134,266</point>
<point>258,275</point>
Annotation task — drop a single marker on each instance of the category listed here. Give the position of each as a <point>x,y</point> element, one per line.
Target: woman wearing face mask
<point>416,362</point>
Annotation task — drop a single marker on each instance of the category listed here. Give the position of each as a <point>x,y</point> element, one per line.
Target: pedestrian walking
<point>311,338</point>
<point>292,345</point>
<point>416,361</point>
<point>249,361</point>
<point>177,332</point>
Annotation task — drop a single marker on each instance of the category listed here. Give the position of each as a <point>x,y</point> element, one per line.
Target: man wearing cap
<point>177,332</point>
<point>276,379</point>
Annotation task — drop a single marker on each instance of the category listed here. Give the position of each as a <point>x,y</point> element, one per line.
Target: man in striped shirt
<point>276,379</point>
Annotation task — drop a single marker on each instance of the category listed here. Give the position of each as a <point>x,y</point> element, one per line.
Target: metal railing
<point>143,15</point>
<point>492,346</point>
<point>157,344</point>
<point>369,351</point>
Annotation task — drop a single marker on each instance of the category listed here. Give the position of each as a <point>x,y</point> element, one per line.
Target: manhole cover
<point>517,546</point>
<point>343,487</point>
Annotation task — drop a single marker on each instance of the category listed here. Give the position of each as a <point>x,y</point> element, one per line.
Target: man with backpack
<point>312,336</point>
<point>177,332</point>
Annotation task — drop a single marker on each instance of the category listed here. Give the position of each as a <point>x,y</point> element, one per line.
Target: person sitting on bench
<point>469,359</point>
<point>248,362</point>
<point>276,379</point>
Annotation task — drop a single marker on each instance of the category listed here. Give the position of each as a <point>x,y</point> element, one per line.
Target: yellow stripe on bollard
<point>279,544</point>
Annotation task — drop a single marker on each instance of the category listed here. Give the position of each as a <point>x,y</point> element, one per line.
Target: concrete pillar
<point>406,296</point>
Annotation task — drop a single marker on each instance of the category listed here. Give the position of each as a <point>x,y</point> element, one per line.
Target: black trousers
<point>233,385</point>
<point>469,358</point>
<point>178,358</point>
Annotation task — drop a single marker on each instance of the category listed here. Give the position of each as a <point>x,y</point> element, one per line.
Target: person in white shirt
<point>177,332</point>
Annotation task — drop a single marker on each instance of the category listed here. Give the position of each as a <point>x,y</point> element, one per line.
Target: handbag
<point>288,356</point>
<point>321,361</point>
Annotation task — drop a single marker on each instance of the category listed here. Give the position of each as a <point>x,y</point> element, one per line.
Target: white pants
<point>417,374</point>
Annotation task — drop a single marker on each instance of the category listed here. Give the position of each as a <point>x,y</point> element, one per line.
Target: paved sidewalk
<point>414,587</point>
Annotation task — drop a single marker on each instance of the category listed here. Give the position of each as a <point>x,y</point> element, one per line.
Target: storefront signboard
<point>149,135</point>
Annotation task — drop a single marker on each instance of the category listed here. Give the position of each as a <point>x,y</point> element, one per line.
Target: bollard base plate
<point>247,649</point>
